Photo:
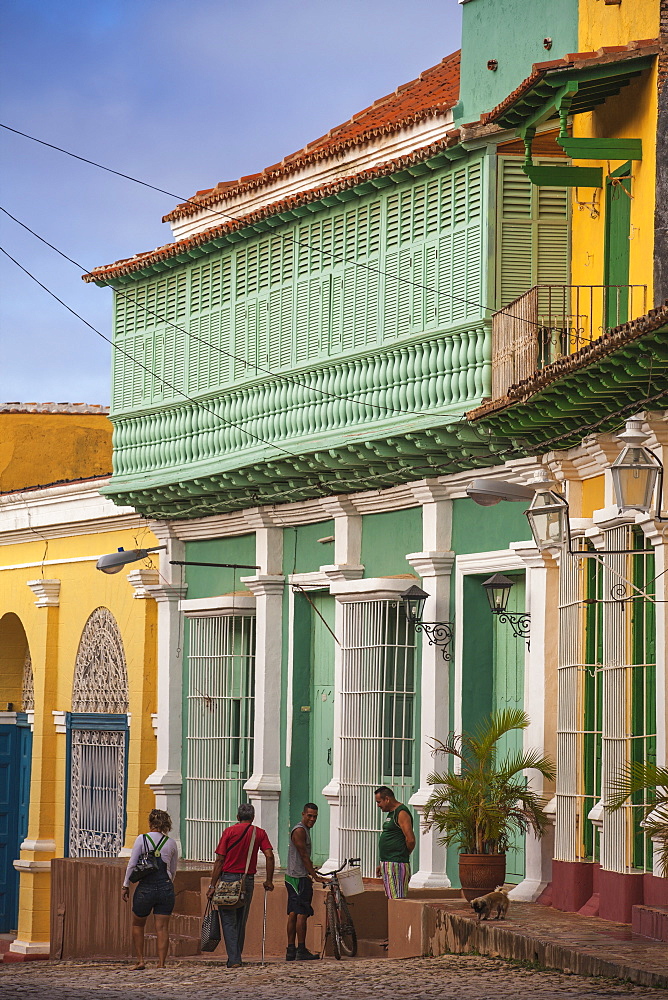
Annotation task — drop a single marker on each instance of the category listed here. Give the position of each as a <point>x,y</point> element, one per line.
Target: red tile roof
<point>88,409</point>
<point>574,60</point>
<point>434,93</point>
<point>145,260</point>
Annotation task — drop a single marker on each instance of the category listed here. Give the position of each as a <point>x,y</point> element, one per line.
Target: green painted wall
<point>512,32</point>
<point>486,529</point>
<point>302,552</point>
<point>204,581</point>
<point>386,538</point>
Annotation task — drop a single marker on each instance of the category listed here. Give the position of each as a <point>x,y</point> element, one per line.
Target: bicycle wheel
<point>333,925</point>
<point>348,939</point>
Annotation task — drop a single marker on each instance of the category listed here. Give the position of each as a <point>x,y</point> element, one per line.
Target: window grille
<point>607,702</point>
<point>97,792</point>
<point>378,703</point>
<point>220,718</point>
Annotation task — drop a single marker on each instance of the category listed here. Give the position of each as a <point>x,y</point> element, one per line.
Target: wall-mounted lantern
<point>636,472</point>
<point>438,633</point>
<point>548,518</point>
<point>498,589</point>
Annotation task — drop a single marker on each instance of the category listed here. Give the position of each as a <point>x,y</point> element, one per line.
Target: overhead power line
<point>234,218</point>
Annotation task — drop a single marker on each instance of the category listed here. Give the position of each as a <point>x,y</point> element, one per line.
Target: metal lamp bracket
<point>438,634</point>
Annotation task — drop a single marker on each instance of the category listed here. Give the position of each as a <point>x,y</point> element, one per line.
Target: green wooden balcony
<point>551,321</point>
<point>380,418</point>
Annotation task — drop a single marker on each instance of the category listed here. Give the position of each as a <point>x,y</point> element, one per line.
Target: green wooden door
<point>617,229</point>
<point>508,693</point>
<point>322,720</point>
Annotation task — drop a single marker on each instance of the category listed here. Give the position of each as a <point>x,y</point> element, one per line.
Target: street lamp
<point>438,633</point>
<point>548,519</point>
<point>115,561</point>
<point>498,589</point>
<point>636,472</point>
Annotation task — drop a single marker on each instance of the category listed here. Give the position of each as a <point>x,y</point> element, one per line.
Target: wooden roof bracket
<point>557,176</point>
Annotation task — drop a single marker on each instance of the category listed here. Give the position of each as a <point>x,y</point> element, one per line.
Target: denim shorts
<point>157,898</point>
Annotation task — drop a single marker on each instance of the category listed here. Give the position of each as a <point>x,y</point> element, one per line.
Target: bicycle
<point>339,921</point>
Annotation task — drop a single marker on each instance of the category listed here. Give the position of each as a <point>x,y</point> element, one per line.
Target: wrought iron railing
<point>550,321</point>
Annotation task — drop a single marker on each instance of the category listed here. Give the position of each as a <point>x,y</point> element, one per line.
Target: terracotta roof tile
<point>145,260</point>
<point>434,93</point>
<point>574,60</point>
<point>81,408</point>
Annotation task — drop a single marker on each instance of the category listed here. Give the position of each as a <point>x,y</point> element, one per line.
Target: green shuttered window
<point>533,228</point>
<point>350,278</point>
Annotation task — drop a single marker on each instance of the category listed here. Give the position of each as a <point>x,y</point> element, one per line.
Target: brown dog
<point>498,900</point>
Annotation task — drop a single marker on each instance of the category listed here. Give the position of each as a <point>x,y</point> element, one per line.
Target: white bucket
<point>351,882</point>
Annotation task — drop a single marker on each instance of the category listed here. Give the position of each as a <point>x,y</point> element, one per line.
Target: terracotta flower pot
<point>481,873</point>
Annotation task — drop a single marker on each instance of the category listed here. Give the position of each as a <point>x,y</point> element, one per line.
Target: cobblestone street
<point>446,977</point>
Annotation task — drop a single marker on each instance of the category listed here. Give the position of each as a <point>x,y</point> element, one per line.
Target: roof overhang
<point>591,77</point>
<point>592,391</point>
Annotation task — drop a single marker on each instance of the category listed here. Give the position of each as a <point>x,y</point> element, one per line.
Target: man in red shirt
<point>232,859</point>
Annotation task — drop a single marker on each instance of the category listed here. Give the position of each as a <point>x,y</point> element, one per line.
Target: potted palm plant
<point>639,778</point>
<point>485,802</point>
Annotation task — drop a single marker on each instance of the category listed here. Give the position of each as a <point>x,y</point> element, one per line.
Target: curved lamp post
<point>115,561</point>
<point>438,633</point>
<point>498,589</point>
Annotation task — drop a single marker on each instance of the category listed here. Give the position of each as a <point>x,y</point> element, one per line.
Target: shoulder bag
<point>148,859</point>
<point>232,894</point>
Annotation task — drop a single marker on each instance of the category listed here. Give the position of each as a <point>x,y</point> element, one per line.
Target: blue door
<point>15,760</point>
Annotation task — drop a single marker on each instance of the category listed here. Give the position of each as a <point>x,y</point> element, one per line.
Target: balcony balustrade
<point>551,321</point>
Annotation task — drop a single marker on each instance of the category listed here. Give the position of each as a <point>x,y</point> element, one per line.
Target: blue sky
<point>180,93</point>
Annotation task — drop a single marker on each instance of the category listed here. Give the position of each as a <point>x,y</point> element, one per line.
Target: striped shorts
<point>396,875</point>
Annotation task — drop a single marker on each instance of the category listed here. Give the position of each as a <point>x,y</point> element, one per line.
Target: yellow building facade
<point>77,666</point>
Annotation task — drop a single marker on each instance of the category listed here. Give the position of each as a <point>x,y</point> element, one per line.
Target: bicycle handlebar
<point>348,861</point>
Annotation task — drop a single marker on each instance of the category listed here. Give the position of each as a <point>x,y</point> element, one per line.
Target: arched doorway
<point>97,737</point>
<point>16,702</point>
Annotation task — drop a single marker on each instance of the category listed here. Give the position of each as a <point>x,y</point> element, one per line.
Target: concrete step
<point>179,945</point>
<point>371,948</point>
<point>189,902</point>
<point>650,921</point>
<point>5,941</point>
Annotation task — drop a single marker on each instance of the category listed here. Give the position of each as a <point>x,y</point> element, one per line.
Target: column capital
<point>532,556</point>
<point>339,506</point>
<point>140,580</point>
<point>167,592</point>
<point>431,563</point>
<point>168,782</point>
<point>265,787</point>
<point>264,586</point>
<point>338,573</point>
<point>430,491</point>
<point>262,517</point>
<point>47,592</point>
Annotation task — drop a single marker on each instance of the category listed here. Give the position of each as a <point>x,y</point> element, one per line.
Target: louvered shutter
<point>533,227</point>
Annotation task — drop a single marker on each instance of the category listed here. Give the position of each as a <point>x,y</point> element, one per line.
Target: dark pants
<point>233,921</point>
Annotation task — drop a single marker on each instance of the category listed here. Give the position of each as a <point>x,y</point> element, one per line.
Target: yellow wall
<point>53,636</point>
<point>631,114</point>
<point>608,24</point>
<point>593,496</point>
<point>41,448</point>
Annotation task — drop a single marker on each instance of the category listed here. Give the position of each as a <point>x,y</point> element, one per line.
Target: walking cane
<point>264,925</point>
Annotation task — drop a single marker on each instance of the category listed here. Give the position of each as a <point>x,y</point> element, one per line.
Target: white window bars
<point>378,704</point>
<point>220,719</point>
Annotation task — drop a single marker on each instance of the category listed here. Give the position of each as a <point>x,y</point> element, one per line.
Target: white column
<point>434,566</point>
<point>540,701</point>
<point>347,566</point>
<point>166,781</point>
<point>264,784</point>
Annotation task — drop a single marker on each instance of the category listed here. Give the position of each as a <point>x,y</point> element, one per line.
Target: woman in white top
<point>155,891</point>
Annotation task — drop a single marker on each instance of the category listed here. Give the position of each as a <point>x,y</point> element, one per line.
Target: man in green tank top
<point>397,841</point>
